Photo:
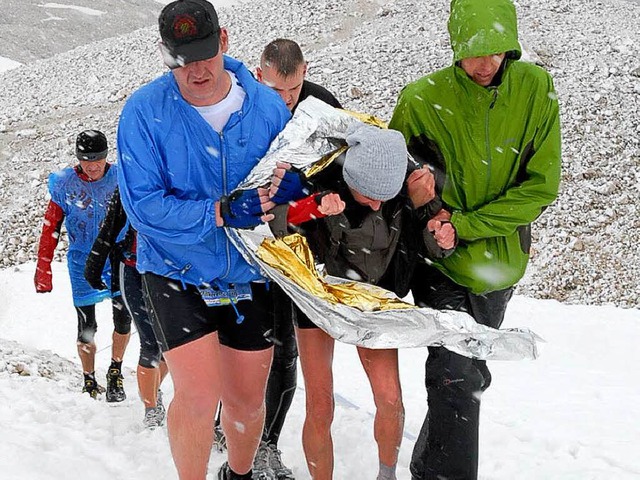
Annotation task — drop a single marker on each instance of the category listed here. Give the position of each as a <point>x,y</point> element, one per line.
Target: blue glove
<point>293,186</point>
<point>241,209</point>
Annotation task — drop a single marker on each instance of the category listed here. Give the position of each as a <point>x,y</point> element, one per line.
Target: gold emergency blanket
<point>292,257</point>
<point>349,311</point>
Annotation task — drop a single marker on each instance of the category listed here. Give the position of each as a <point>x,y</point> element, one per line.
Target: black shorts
<point>181,316</point>
<point>300,320</point>
<point>87,324</point>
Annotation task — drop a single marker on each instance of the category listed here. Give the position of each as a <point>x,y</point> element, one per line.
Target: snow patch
<point>85,10</point>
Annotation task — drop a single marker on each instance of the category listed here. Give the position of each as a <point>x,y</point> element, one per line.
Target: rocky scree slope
<point>586,246</point>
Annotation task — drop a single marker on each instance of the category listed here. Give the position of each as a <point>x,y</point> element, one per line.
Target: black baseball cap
<point>91,145</point>
<point>190,32</point>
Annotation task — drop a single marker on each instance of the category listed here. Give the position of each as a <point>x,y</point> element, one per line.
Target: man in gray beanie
<point>375,164</point>
<point>352,222</point>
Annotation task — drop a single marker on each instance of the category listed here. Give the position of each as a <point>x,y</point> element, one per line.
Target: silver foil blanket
<point>316,131</point>
<point>401,328</point>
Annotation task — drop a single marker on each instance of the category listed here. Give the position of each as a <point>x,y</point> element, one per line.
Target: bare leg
<point>148,384</point>
<point>87,354</point>
<point>381,367</point>
<point>119,345</point>
<point>149,381</point>
<point>315,348</point>
<point>244,380</point>
<point>195,372</point>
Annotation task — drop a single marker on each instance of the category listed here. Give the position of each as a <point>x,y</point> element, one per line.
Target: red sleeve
<point>52,224</point>
<point>304,210</point>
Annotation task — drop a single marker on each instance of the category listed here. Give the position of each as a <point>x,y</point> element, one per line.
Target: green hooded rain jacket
<point>498,147</point>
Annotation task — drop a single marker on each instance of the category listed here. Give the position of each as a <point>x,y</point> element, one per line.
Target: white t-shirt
<point>217,115</point>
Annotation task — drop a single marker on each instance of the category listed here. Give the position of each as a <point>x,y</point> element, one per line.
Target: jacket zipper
<point>92,206</point>
<point>225,192</point>
<point>488,139</point>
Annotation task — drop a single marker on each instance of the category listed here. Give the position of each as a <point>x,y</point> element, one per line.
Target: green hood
<point>483,27</point>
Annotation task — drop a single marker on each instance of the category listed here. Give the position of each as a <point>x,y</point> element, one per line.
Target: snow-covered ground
<point>8,64</point>
<point>571,414</point>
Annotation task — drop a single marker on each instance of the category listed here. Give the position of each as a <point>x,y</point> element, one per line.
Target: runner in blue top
<point>79,198</point>
<point>185,141</point>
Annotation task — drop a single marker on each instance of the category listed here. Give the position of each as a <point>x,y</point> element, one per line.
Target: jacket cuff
<point>460,222</point>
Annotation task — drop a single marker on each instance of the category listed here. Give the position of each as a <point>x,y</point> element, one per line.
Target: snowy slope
<point>571,414</point>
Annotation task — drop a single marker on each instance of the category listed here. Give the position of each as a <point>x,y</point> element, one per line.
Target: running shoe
<point>115,386</point>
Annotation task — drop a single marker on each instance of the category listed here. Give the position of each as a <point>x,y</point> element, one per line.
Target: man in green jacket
<point>488,126</point>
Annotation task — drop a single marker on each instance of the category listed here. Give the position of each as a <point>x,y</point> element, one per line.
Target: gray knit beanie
<point>375,164</point>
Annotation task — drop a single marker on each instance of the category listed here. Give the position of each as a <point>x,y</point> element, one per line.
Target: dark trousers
<point>282,382</point>
<point>133,297</point>
<point>447,446</point>
<point>87,324</point>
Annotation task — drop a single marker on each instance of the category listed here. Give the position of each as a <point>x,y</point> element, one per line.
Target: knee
<point>87,334</point>
<point>389,402</point>
<point>150,356</point>
<point>248,407</point>
<point>198,401</point>
<point>320,408</point>
<point>121,319</point>
<point>122,328</point>
<point>452,373</point>
<point>283,363</point>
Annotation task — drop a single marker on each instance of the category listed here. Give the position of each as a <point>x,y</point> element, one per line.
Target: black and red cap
<point>190,32</point>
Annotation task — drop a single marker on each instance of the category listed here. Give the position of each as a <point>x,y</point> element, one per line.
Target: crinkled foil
<point>354,312</point>
<point>369,323</point>
<point>316,131</point>
<point>293,258</point>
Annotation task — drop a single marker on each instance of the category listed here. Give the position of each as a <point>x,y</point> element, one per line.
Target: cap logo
<point>184,26</point>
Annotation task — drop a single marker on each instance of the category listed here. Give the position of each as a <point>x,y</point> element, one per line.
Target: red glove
<point>304,210</point>
<point>53,218</point>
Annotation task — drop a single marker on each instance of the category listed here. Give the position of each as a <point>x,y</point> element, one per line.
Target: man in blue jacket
<point>185,141</point>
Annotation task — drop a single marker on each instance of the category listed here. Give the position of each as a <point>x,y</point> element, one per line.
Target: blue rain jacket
<point>173,168</point>
<point>84,205</point>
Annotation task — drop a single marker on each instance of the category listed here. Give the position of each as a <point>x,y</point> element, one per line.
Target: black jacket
<point>358,244</point>
<point>310,89</point>
<point>106,246</point>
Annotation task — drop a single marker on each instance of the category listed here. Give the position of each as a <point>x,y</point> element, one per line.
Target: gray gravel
<point>586,246</point>
<point>16,359</point>
<point>32,30</point>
